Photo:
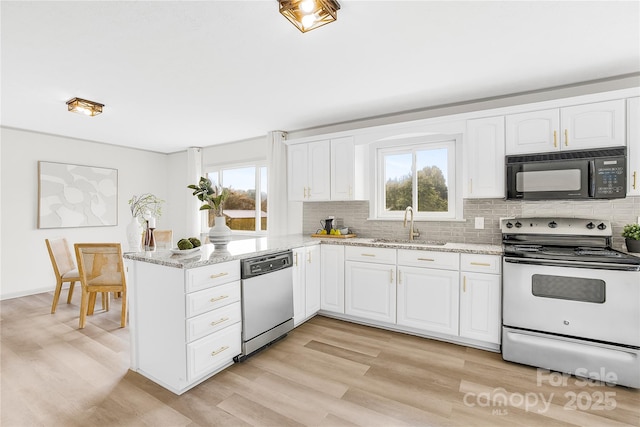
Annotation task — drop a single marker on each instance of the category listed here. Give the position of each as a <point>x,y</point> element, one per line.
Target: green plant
<point>145,203</point>
<point>211,195</point>
<point>631,231</point>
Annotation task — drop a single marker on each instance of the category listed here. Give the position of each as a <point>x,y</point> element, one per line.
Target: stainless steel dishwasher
<point>267,300</point>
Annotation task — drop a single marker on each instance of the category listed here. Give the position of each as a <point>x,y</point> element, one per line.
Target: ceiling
<point>179,74</point>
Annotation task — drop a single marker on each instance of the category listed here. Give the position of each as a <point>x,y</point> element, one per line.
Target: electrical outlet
<point>479,223</point>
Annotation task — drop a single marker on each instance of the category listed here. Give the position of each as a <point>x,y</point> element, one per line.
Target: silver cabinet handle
<point>426,259</point>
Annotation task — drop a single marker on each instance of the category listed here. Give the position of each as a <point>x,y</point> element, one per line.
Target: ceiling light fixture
<point>82,106</point>
<point>307,15</point>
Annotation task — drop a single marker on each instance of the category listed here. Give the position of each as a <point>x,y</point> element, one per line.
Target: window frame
<point>258,165</point>
<point>411,144</point>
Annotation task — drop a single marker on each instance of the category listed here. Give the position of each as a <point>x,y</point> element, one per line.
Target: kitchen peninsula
<point>185,309</point>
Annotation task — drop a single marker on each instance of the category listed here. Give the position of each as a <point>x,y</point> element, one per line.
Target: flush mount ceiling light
<point>307,15</point>
<point>82,106</point>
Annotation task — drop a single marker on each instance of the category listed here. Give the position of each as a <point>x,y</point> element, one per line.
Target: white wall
<point>26,268</point>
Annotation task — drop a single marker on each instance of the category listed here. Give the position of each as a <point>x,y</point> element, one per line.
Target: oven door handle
<point>576,264</point>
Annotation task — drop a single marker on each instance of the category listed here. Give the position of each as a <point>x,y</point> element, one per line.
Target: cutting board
<point>333,236</point>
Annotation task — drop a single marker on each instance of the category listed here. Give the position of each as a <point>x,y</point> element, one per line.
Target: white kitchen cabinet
<point>343,168</point>
<point>370,291</point>
<point>185,323</point>
<point>428,291</point>
<point>595,125</point>
<point>306,283</point>
<point>332,278</point>
<point>309,171</point>
<point>485,148</point>
<point>633,146</point>
<point>480,297</point>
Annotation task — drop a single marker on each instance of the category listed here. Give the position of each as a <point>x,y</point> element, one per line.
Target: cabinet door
<point>297,172</point>
<point>332,278</point>
<point>319,171</point>
<point>633,146</point>
<point>533,132</point>
<point>370,291</point>
<point>299,286</point>
<point>480,315</point>
<point>600,124</point>
<point>485,158</point>
<point>428,299</point>
<point>342,168</point>
<point>312,280</point>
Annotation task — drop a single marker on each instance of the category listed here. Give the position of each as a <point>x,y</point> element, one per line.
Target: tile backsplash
<point>354,215</point>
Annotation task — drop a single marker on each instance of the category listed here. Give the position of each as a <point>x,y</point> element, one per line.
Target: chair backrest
<point>60,256</point>
<point>100,264</point>
<point>163,239</point>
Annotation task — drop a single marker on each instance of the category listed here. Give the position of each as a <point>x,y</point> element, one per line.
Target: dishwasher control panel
<point>266,264</point>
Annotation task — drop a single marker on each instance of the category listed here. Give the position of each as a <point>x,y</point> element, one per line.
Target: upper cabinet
<point>600,124</point>
<point>308,171</point>
<point>324,170</point>
<point>485,158</point>
<point>633,146</point>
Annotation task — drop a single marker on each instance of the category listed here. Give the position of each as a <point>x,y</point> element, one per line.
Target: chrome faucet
<point>412,233</point>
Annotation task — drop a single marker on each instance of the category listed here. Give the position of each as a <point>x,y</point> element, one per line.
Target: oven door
<point>558,179</point>
<point>594,304</point>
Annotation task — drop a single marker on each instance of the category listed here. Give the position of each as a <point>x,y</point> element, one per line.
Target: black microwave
<point>565,175</point>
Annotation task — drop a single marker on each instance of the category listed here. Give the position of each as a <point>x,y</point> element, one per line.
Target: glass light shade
<point>83,106</point>
<point>307,15</point>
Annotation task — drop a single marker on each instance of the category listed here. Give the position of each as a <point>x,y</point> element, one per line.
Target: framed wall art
<point>76,196</point>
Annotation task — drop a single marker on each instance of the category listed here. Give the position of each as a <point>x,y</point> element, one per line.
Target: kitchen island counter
<point>236,249</point>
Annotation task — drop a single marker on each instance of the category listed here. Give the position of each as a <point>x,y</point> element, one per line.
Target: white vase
<point>134,235</point>
<point>220,233</point>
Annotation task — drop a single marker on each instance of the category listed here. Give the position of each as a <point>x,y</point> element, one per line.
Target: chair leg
<point>56,296</point>
<point>91,304</point>
<point>105,301</point>
<point>71,286</point>
<point>123,315</point>
<point>84,306</point>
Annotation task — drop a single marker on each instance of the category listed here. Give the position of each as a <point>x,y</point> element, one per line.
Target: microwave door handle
<point>592,181</point>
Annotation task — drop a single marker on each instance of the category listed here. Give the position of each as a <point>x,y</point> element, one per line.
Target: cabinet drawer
<point>212,321</point>
<point>481,263</point>
<point>212,275</point>
<point>213,351</point>
<point>368,254</point>
<point>209,299</point>
<point>429,259</point>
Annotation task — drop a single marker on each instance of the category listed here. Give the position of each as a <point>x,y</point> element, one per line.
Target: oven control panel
<point>558,226</point>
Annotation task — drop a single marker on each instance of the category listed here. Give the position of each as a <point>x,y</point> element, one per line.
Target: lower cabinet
<point>185,324</point>
<point>332,278</point>
<point>306,283</point>
<point>481,298</point>
<point>370,291</point>
<point>428,299</point>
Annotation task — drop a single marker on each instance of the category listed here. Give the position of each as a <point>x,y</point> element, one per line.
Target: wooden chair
<point>101,270</point>
<point>163,239</point>
<point>63,267</point>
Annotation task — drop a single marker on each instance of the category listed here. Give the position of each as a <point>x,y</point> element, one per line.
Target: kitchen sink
<point>411,242</point>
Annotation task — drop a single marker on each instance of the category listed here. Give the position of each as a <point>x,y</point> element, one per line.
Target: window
<point>246,208</point>
<point>420,174</point>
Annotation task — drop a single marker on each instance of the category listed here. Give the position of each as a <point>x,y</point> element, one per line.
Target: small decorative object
<point>213,198</point>
<point>143,208</point>
<point>149,239</point>
<point>631,233</point>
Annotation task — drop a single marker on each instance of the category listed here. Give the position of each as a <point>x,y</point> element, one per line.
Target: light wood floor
<point>325,373</point>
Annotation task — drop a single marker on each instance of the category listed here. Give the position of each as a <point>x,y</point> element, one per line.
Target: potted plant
<point>213,198</point>
<point>631,233</point>
<point>143,208</point>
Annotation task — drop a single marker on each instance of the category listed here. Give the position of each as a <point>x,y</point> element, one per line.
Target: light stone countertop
<point>247,248</point>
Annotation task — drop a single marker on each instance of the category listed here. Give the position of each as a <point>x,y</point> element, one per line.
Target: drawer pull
<point>215,276</point>
<point>220,350</point>
<point>221,297</point>
<point>481,264</point>
<point>216,322</point>
<point>391,276</point>
<point>464,284</point>
<point>373,255</point>
<point>426,259</point>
